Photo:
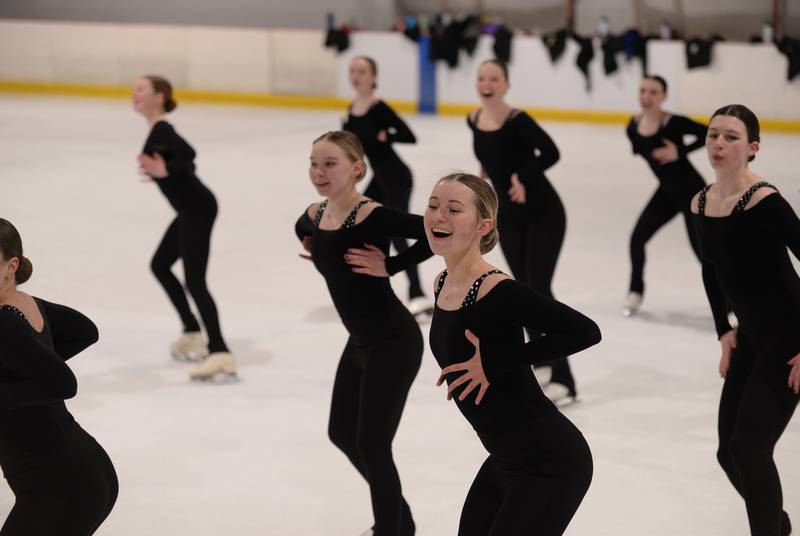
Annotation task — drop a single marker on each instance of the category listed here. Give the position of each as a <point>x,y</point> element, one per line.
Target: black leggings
<point>68,493</point>
<point>369,394</point>
<point>531,248</point>
<point>189,238</point>
<point>537,493</point>
<point>391,185</point>
<point>656,214</point>
<point>755,407</point>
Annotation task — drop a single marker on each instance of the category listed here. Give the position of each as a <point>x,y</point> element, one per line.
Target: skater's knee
<point>196,285</point>
<point>374,451</point>
<point>342,440</point>
<point>724,456</point>
<point>159,267</point>
<point>749,452</point>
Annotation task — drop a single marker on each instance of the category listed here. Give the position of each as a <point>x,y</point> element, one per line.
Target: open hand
<point>369,261</point>
<point>474,373</point>
<point>153,166</point>
<point>794,374</point>
<point>517,190</point>
<point>666,154</point>
<point>728,342</point>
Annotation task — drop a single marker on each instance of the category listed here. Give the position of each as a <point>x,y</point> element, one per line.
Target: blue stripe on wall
<point>427,78</point>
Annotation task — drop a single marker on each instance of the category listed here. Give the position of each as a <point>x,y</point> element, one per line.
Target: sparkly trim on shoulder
<point>14,310</point>
<point>472,294</point>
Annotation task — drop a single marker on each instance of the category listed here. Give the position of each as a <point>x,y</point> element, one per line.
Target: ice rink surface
<point>253,458</point>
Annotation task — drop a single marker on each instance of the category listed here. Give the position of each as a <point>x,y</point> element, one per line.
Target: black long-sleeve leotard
<point>379,117</point>
<point>519,146</point>
<point>181,187</point>
<point>34,378</point>
<point>357,297</point>
<point>514,397</point>
<point>62,478</point>
<point>679,179</point>
<point>747,253</point>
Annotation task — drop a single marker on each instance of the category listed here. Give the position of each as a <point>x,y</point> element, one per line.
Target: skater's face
<point>452,222</point>
<point>651,94</point>
<point>145,100</point>
<point>492,84</point>
<point>727,144</point>
<point>332,171</point>
<point>363,77</point>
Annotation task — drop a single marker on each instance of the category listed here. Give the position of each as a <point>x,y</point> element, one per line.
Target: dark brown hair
<point>660,80</point>
<point>485,202</point>
<point>499,63</point>
<point>349,143</point>
<point>746,116</point>
<point>11,246</point>
<point>162,85</point>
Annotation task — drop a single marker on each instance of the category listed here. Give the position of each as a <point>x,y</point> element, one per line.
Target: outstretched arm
<point>564,330</point>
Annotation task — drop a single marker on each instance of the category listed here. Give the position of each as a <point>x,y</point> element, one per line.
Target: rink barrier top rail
<point>335,103</point>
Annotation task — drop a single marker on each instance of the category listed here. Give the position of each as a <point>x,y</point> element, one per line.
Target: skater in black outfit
<point>169,161</point>
<point>63,480</point>
<point>539,465</point>
<point>378,127</point>
<point>744,227</point>
<point>384,348</point>
<point>658,136</point>
<point>514,153</point>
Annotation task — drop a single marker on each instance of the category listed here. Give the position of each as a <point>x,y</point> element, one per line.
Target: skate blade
<point>219,378</point>
<point>188,358</point>
<point>628,311</point>
<point>566,401</point>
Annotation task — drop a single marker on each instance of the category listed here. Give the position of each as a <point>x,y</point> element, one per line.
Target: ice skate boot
<point>217,367</point>
<point>633,301</point>
<point>421,307</point>
<point>191,346</point>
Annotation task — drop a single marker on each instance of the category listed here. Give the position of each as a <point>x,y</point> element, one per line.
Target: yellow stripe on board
<point>334,103</point>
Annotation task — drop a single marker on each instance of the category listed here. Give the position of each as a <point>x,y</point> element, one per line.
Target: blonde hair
<point>350,144</point>
<point>485,202</point>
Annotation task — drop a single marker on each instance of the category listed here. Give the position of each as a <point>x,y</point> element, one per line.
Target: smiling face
<point>145,100</point>
<point>363,77</point>
<point>332,171</point>
<point>727,144</point>
<point>651,95</point>
<point>492,84</point>
<point>453,225</point>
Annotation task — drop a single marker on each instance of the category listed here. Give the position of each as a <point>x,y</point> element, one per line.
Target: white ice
<point>253,458</point>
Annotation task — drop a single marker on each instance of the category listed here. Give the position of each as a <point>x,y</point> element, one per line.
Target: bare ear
<point>359,168</point>
<point>753,149</point>
<point>485,226</point>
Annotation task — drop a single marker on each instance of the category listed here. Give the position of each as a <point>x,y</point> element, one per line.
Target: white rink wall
<point>294,62</point>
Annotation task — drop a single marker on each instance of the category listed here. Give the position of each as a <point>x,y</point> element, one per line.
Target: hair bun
<point>24,271</point>
<point>170,105</point>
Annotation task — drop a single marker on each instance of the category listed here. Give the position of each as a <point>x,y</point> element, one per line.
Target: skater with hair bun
<point>168,160</point>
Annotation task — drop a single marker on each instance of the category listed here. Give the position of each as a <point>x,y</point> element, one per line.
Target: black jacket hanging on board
<point>612,44</point>
<point>791,49</point>
<point>470,33</point>
<point>555,43</point>
<point>338,39</point>
<point>585,57</point>
<point>698,51</point>
<point>502,44</point>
